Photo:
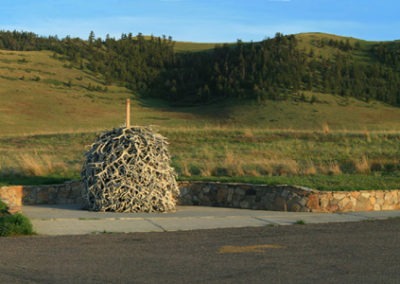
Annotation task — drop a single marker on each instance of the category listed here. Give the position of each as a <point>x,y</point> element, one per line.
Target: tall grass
<point>40,165</point>
<point>223,151</point>
<point>251,152</point>
<point>362,165</point>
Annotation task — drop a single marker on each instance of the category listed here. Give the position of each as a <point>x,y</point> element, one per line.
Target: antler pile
<point>128,170</point>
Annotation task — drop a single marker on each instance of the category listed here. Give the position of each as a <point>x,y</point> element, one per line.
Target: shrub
<point>12,225</point>
<point>17,224</point>
<point>3,208</point>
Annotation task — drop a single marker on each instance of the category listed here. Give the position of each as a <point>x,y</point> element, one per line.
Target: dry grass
<point>39,165</point>
<point>206,169</point>
<point>331,167</point>
<point>242,151</point>
<point>285,167</point>
<point>248,133</point>
<point>367,135</point>
<point>325,128</point>
<point>362,165</point>
<point>233,164</point>
<point>225,151</point>
<point>185,170</point>
<point>309,169</point>
<point>258,168</point>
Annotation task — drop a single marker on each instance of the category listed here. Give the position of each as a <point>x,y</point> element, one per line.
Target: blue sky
<point>203,20</point>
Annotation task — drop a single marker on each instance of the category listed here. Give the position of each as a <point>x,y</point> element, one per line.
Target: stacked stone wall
<point>66,193</point>
<point>12,196</point>
<point>286,198</point>
<point>246,196</point>
<point>233,195</point>
<point>344,201</point>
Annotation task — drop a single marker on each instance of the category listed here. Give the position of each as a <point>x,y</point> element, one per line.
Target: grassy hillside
<point>182,46</point>
<point>49,112</point>
<point>43,94</point>
<point>317,42</point>
<point>307,41</point>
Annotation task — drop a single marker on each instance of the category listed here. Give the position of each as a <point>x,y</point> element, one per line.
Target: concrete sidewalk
<point>71,220</point>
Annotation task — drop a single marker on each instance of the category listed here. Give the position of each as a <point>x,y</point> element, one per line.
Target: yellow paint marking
<point>243,249</point>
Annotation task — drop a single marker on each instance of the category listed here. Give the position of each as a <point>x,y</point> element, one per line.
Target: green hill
<point>40,93</point>
<point>182,46</point>
<point>43,94</point>
<point>52,104</point>
<point>277,68</point>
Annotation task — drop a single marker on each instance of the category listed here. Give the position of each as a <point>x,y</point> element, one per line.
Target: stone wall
<point>344,201</point>
<point>234,195</point>
<point>12,196</point>
<point>246,196</point>
<point>66,193</point>
<point>286,198</point>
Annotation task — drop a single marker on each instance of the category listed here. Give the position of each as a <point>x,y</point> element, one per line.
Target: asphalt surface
<point>71,220</point>
<point>347,252</point>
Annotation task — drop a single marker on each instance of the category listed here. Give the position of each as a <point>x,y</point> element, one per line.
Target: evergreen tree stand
<point>128,170</point>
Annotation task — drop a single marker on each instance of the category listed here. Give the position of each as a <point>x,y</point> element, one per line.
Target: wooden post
<point>128,113</point>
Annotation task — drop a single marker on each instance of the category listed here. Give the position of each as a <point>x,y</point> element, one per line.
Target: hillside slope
<point>319,140</point>
<point>43,94</point>
<point>191,74</point>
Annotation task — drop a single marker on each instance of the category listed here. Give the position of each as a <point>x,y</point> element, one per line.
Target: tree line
<point>275,68</point>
